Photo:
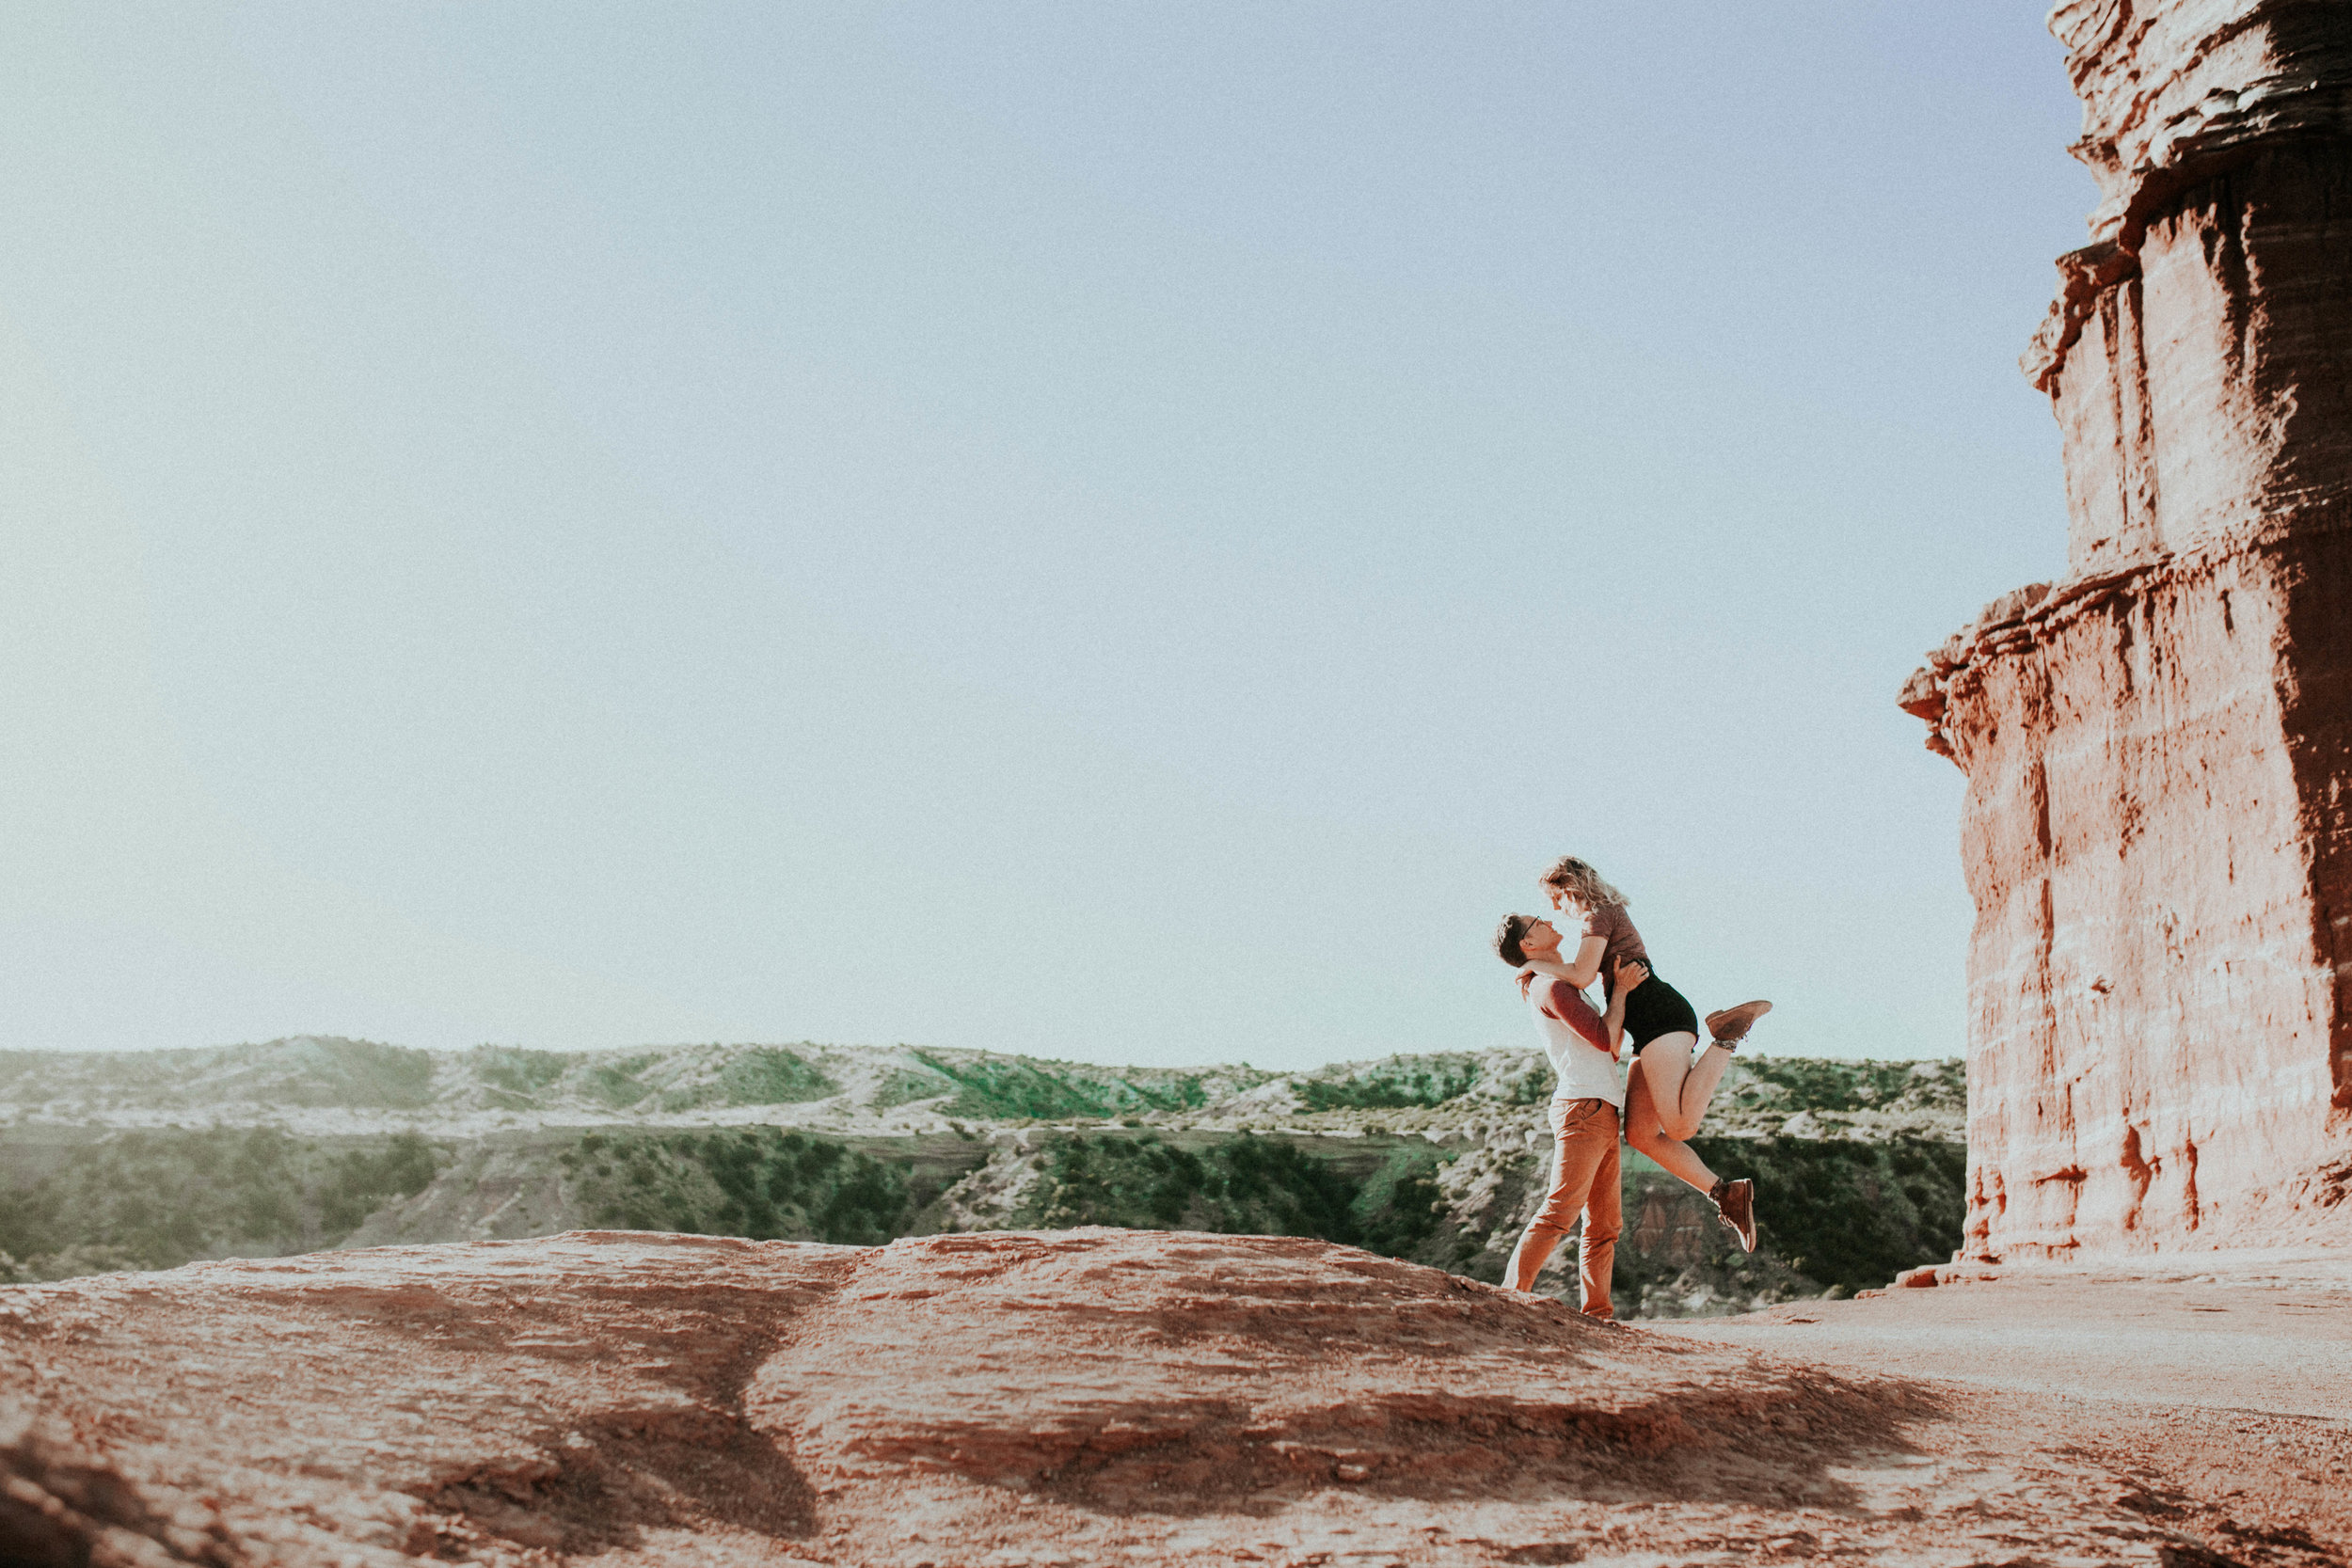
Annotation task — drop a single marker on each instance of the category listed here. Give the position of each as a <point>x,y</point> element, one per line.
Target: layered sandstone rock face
<point>2159,748</point>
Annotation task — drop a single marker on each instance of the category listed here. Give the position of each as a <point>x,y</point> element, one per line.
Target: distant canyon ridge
<point>149,1160</point>
<point>2157,830</point>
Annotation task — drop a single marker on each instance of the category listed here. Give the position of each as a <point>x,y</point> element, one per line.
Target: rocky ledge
<point>1083,1397</point>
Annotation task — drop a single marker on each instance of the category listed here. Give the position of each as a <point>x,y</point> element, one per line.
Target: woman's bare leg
<point>1679,1086</point>
<point>1643,1132</point>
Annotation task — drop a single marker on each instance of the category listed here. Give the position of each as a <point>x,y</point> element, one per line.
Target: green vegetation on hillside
<point>1835,1215</point>
<point>1677,1257</point>
<point>1241,1185</point>
<point>1923,1099</point>
<point>360,1182</point>
<point>1811,1083</point>
<point>1398,1208</point>
<point>617,1083</point>
<point>1850,1213</point>
<point>770,1076</point>
<point>1016,1087</point>
<point>362,1072</point>
<point>158,1200</point>
<point>359,1074</point>
<point>667,1081</point>
<point>757,1182</point>
<point>1393,1085</point>
<point>342,1073</point>
<point>1861,1178</point>
<point>512,1072</point>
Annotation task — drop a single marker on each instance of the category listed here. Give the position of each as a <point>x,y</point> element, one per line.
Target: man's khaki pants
<point>1584,1176</point>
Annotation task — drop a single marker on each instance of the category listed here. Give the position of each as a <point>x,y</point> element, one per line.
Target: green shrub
<point>1846,1212</point>
<point>158,1200</point>
<point>1013,1088</point>
<point>1398,1207</point>
<point>773,1077</point>
<point>1815,1083</point>
<point>757,1181</point>
<point>1534,1086</point>
<point>904,1085</point>
<point>334,1071</point>
<point>616,1083</point>
<point>1239,1185</point>
<point>362,1182</point>
<point>1397,1084</point>
<point>517,1071</point>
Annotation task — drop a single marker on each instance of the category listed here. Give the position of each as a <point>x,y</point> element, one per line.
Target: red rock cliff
<point>2158,826</point>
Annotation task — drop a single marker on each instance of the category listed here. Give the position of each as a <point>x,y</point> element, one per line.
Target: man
<point>1586,1103</point>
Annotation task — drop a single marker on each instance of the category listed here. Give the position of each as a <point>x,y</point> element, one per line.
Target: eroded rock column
<point>2158,826</point>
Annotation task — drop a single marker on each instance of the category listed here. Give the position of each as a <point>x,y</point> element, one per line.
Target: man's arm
<point>1583,972</point>
<point>1629,975</point>
<point>1571,1009</point>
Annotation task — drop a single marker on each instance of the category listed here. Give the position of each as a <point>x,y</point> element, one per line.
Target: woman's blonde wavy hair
<point>1582,884</point>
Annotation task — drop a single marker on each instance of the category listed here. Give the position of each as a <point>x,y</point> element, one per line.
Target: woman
<point>1667,1090</point>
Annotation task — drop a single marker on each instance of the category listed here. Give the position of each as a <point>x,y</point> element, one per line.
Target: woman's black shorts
<point>1653,1008</point>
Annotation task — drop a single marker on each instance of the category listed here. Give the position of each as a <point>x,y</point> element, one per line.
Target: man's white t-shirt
<point>1577,1041</point>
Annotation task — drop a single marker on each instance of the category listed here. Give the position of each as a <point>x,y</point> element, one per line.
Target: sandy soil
<point>1102,1397</point>
<point>2210,1392</point>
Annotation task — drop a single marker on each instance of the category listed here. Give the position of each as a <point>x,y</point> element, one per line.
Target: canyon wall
<point>2157,831</point>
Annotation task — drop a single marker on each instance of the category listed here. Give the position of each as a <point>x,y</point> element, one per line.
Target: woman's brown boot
<point>1731,1026</point>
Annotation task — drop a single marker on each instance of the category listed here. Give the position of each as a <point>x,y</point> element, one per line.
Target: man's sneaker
<point>1731,1026</point>
<point>1737,1208</point>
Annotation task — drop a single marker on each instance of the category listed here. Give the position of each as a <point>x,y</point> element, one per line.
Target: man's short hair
<point>1507,937</point>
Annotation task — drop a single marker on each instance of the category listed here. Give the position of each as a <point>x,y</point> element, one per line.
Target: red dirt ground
<point>1132,1398</point>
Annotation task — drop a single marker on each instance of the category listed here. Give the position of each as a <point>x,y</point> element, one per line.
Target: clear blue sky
<point>1128,532</point>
